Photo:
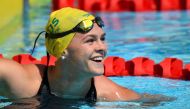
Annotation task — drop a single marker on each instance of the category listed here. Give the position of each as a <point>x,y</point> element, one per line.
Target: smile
<point>97,59</point>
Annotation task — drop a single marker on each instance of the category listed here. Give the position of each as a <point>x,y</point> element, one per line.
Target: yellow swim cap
<point>60,21</point>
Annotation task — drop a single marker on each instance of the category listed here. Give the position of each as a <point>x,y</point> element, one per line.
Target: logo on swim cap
<point>53,24</point>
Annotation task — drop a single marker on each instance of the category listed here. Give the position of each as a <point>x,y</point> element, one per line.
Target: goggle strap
<point>99,22</point>
<point>59,35</point>
<point>34,46</point>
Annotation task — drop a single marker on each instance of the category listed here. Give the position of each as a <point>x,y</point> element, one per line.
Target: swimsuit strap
<point>91,96</point>
<point>45,79</point>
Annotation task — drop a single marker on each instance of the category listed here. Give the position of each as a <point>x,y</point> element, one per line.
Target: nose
<point>101,47</point>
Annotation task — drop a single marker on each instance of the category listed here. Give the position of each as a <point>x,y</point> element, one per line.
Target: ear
<point>65,53</point>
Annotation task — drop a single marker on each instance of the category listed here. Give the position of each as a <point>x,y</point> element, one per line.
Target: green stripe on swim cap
<point>60,21</point>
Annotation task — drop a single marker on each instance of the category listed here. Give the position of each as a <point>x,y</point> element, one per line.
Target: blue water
<point>154,35</point>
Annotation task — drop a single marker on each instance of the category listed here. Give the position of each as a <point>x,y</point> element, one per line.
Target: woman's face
<point>86,52</point>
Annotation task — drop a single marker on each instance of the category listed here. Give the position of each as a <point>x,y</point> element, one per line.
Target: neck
<point>68,82</point>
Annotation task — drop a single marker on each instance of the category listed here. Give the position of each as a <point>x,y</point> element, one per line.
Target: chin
<point>98,72</point>
<point>97,69</point>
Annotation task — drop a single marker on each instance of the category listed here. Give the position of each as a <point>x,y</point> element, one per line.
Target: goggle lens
<point>84,26</point>
<point>87,25</point>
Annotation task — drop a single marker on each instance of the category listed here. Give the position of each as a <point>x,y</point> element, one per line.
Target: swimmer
<point>77,39</point>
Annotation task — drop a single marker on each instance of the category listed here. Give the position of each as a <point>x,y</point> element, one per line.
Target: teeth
<point>98,59</point>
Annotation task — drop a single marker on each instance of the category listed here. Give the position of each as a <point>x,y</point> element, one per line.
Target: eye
<point>103,38</point>
<point>90,40</point>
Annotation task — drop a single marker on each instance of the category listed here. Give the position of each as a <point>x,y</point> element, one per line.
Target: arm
<point>110,91</point>
<point>18,80</point>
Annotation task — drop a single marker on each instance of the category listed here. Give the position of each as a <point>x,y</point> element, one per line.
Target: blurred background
<point>16,29</point>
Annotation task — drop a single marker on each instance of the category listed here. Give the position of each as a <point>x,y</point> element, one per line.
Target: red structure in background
<point>166,5</point>
<point>187,4</point>
<point>1,56</point>
<point>57,4</point>
<point>123,5</point>
<point>93,5</point>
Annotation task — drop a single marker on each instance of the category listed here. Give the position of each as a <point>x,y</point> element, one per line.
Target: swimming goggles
<point>83,27</point>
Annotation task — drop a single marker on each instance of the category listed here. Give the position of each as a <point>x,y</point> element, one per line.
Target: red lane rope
<point>116,66</point>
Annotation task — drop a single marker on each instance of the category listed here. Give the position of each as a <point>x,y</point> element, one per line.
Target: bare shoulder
<point>20,77</point>
<point>9,68</point>
<point>110,91</point>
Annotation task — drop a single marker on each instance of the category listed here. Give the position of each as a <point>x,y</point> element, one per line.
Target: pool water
<point>129,35</point>
<point>180,90</point>
<point>153,35</point>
